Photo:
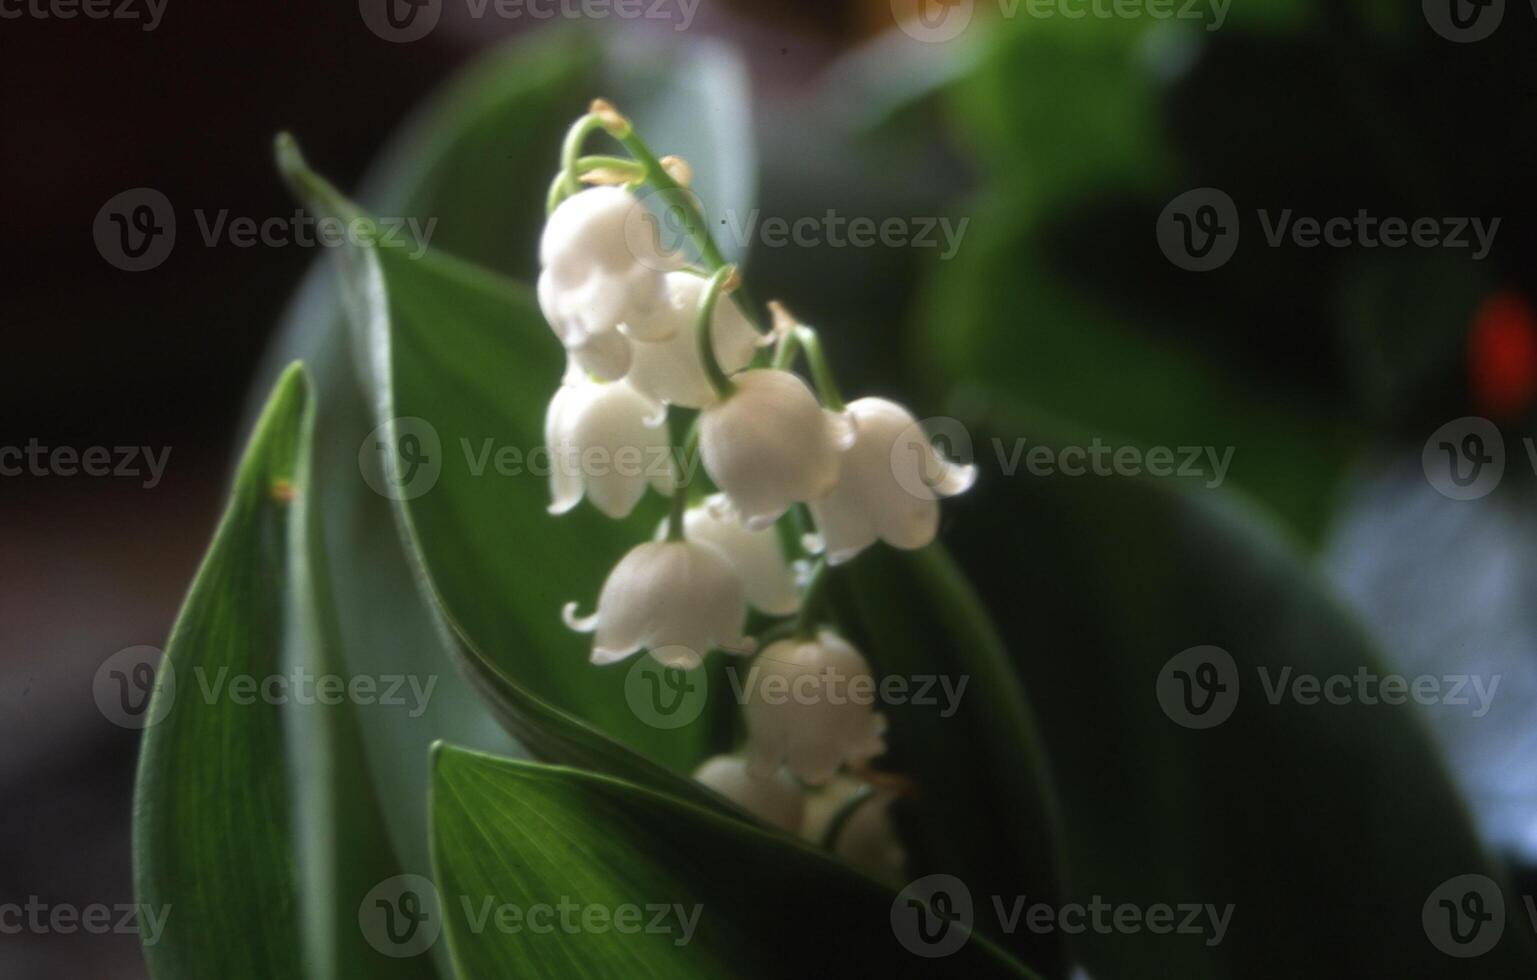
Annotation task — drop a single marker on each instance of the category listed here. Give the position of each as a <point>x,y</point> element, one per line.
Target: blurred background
<point>1094,171</point>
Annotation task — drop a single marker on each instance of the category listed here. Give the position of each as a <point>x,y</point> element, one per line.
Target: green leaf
<point>477,161</point>
<point>515,834</point>
<point>1330,821</point>
<point>442,334</point>
<point>254,816</point>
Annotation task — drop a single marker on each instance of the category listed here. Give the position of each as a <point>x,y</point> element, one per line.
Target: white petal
<point>565,480</point>
<point>579,624</point>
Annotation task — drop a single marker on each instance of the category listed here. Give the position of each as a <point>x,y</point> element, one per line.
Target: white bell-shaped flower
<point>676,599</point>
<point>607,441</point>
<point>757,556</point>
<point>889,486</point>
<point>770,444</point>
<point>777,800</point>
<point>810,706</point>
<point>598,274</point>
<point>670,370</point>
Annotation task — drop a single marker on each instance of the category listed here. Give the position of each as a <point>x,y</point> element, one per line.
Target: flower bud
<point>757,556</point>
<point>805,710</point>
<point>606,441</point>
<point>670,369</point>
<point>777,800</point>
<point>677,599</point>
<point>770,445</point>
<point>889,485</point>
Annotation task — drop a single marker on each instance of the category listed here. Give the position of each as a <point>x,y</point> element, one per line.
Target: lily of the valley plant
<point>804,482</point>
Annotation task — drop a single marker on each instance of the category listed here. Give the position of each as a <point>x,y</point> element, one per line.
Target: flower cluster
<point>803,481</point>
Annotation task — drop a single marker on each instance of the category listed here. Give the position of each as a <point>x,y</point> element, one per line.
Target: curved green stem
<point>841,818</point>
<point>723,385</point>
<point>571,149</point>
<point>675,515</point>
<point>559,186</point>
<point>811,603</point>
<point>805,338</point>
<point>676,196</point>
<point>680,493</point>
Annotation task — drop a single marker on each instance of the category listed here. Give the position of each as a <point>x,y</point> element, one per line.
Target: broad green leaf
<point>739,902</point>
<point>1334,822</point>
<point>477,160</point>
<point>431,321</point>
<point>967,737</point>
<point>219,842</point>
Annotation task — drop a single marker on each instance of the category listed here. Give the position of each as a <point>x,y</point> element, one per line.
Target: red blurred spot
<point>1502,356</point>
